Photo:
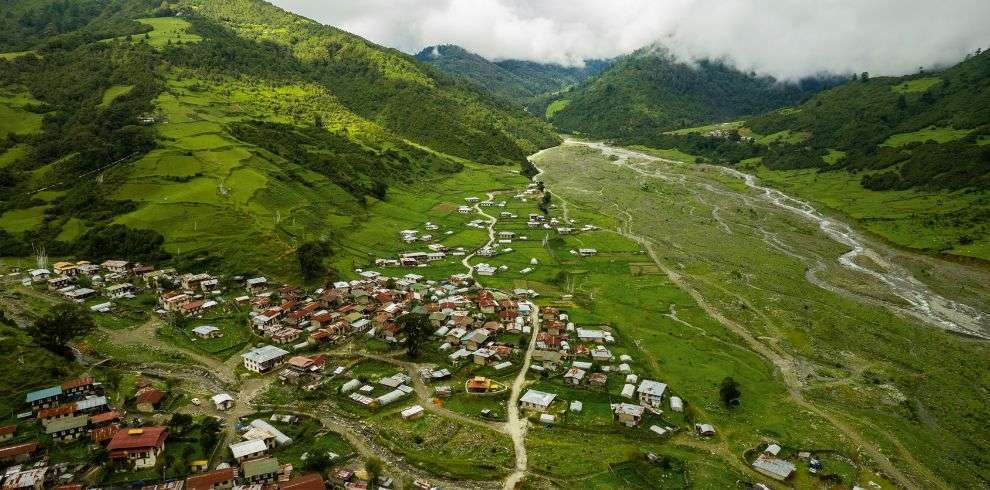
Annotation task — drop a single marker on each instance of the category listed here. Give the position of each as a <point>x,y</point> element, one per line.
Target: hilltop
<point>650,91</point>
<point>204,129</point>
<point>515,81</point>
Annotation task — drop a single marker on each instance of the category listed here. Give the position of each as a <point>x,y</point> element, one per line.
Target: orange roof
<point>104,434</point>
<point>48,413</point>
<point>150,395</point>
<point>312,481</point>
<point>206,481</point>
<point>138,438</point>
<point>104,417</point>
<point>76,383</point>
<point>301,362</point>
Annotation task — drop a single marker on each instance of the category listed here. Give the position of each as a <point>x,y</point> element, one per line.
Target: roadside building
<point>137,448</point>
<point>536,400</point>
<point>263,359</point>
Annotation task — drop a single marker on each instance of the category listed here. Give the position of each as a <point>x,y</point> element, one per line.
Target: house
<point>92,404</point>
<point>574,376</point>
<point>104,419</point>
<point>589,335</point>
<point>479,384</point>
<point>483,356</point>
<point>263,471</point>
<point>676,404</point>
<point>7,432</point>
<point>706,430</point>
<point>256,285</point>
<point>49,415</point>
<point>598,380</point>
<point>148,399</point>
<point>39,275</point>
<point>536,400</point>
<point>59,282</point>
<point>33,478</point>
<point>628,391</point>
<point>576,406</point>
<point>249,449</point>
<point>207,332</point>
<point>68,428</point>
<point>222,401</point>
<point>77,386</point>
<point>138,447</point>
<point>628,414</point>
<point>263,359</point>
<point>601,354</point>
<point>118,291</point>
<point>118,266</point>
<point>46,398</point>
<point>18,453</point>
<point>774,467</point>
<point>103,435</point>
<point>651,393</point>
<point>280,438</point>
<point>256,434</point>
<point>587,252</point>
<point>549,358</point>
<point>413,412</point>
<point>312,481</point>
<point>222,479</point>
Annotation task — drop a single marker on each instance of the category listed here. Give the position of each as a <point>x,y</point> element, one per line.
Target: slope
<point>201,130</point>
<point>906,157</point>
<point>518,82</point>
<point>650,91</point>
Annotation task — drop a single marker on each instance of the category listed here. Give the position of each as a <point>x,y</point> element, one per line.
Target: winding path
<point>492,221</point>
<point>516,426</point>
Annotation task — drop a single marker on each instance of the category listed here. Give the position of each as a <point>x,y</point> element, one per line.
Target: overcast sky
<point>785,38</point>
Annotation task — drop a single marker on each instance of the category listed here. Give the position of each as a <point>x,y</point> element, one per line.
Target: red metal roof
<point>104,434</point>
<point>47,413</point>
<point>206,481</point>
<point>7,452</point>
<point>104,417</point>
<point>138,438</point>
<point>312,481</point>
<point>150,395</point>
<point>76,383</point>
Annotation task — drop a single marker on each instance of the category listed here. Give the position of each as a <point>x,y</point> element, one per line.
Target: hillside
<point>515,81</point>
<point>650,91</point>
<point>204,129</point>
<point>908,157</point>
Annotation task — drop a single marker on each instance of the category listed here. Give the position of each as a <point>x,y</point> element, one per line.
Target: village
<point>487,356</point>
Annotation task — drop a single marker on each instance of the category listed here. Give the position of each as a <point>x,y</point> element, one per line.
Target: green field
<point>852,354</point>
<point>555,107</point>
<point>14,117</point>
<point>915,86</point>
<point>113,92</point>
<point>940,135</point>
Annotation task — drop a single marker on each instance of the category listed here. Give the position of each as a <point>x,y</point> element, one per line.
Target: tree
<point>374,467</point>
<point>417,328</point>
<point>63,323</point>
<point>311,255</point>
<point>318,462</point>
<point>729,392</point>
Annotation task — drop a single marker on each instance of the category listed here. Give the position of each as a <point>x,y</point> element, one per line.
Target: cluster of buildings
<point>585,358</point>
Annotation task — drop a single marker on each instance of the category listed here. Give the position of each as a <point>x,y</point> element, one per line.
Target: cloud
<point>784,38</point>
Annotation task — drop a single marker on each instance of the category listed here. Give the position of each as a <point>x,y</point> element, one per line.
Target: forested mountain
<point>927,130</point>
<point>650,91</point>
<point>221,125</point>
<point>518,82</point>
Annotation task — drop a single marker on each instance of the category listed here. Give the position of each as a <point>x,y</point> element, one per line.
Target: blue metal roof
<point>42,394</point>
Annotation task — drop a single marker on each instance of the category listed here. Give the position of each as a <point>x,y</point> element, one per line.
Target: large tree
<point>417,328</point>
<point>63,323</point>
<point>729,392</point>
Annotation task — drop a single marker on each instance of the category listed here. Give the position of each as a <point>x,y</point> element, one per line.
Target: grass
<point>166,30</point>
<point>765,292</point>
<point>14,55</point>
<point>20,220</point>
<point>113,92</point>
<point>14,116</point>
<point>916,86</point>
<point>933,133</point>
<point>555,107</point>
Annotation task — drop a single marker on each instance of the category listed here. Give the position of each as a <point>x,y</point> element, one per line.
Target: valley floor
<point>701,274</point>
